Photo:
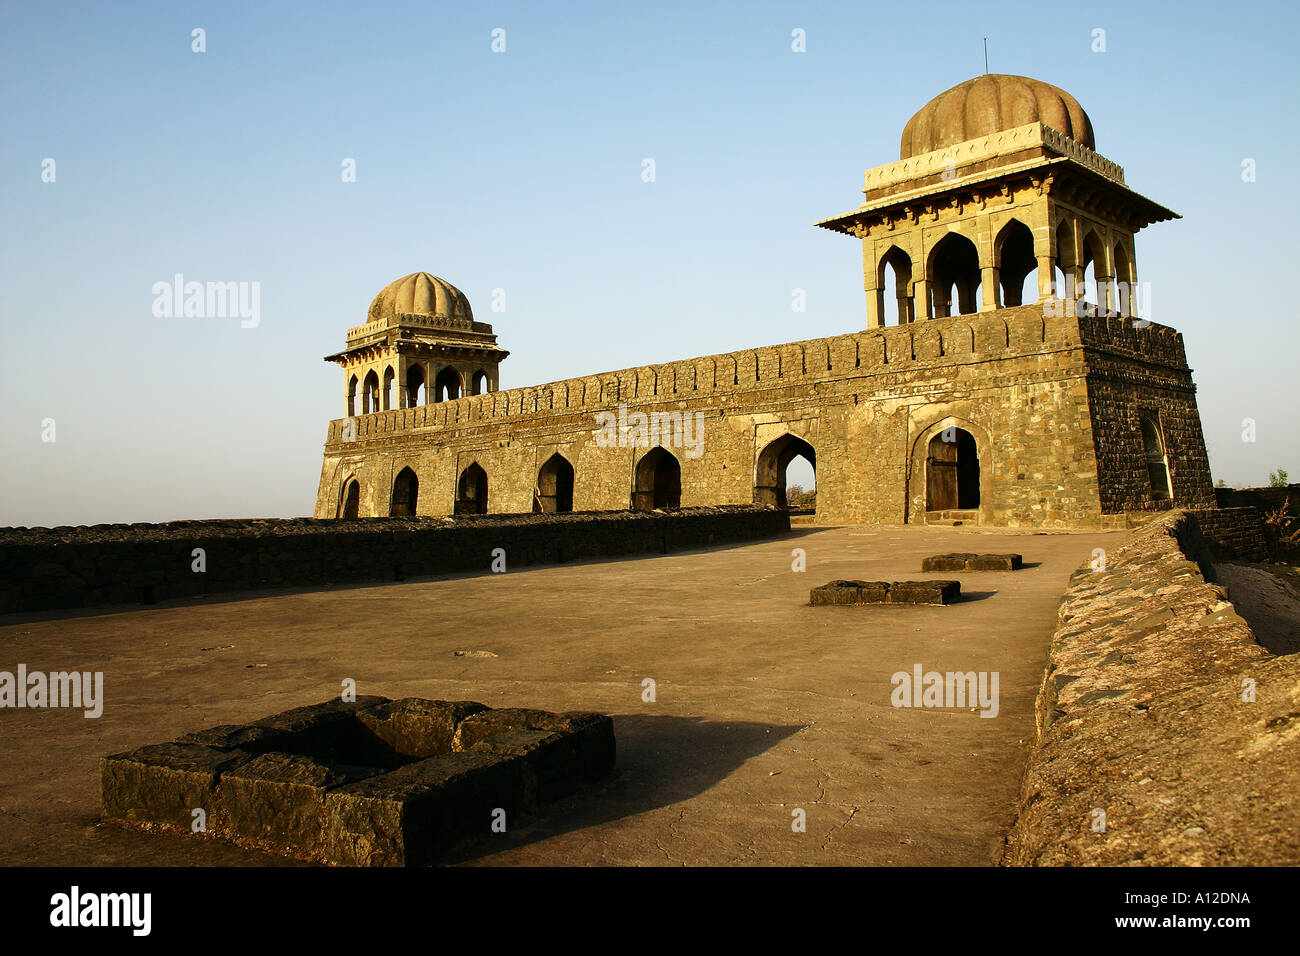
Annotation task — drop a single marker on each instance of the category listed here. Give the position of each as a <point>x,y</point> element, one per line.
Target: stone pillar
<point>992,298</point>
<point>1046,276</point>
<point>875,308</point>
<point>921,299</point>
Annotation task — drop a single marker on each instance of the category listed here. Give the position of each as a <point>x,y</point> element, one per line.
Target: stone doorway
<point>472,491</point>
<point>952,476</point>
<point>658,482</point>
<point>770,471</point>
<point>554,492</point>
<point>406,490</point>
<point>350,500</point>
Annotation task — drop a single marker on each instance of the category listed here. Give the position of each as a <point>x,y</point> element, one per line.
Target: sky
<point>522,171</point>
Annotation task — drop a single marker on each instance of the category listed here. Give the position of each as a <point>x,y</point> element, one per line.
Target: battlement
<point>930,344</point>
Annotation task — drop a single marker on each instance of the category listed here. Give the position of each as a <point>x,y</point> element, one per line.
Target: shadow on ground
<point>662,760</point>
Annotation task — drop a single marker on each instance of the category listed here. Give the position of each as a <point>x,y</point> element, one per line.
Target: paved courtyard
<point>763,706</point>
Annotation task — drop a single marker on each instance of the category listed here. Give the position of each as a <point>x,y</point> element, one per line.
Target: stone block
<point>417,728</point>
<point>164,783</point>
<point>276,800</point>
<point>409,816</point>
<point>924,592</point>
<point>972,562</point>
<point>946,562</point>
<point>589,738</point>
<point>837,592</point>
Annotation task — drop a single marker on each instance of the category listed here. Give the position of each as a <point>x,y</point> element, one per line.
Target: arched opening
<point>772,484</point>
<point>446,387</point>
<point>1092,263</point>
<point>350,499</point>
<point>554,492</point>
<point>352,396</point>
<point>472,491</point>
<point>370,393</point>
<point>479,383</point>
<point>952,471</point>
<point>1013,254</point>
<point>406,490</point>
<point>658,481</point>
<point>415,390</point>
<point>955,272</point>
<point>1125,279</point>
<point>388,388</point>
<point>1065,262</point>
<point>894,282</point>
<point>1153,445</point>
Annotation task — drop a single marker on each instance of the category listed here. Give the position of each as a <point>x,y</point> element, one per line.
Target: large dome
<point>989,104</point>
<point>420,294</point>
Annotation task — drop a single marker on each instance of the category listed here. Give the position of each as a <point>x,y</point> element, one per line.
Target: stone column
<point>921,299</point>
<point>992,297</point>
<point>1046,276</point>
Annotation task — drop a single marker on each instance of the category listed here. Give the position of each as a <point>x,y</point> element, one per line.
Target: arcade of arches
<point>960,279</point>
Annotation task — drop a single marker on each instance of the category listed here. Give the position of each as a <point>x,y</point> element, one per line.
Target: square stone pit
<point>371,782</point>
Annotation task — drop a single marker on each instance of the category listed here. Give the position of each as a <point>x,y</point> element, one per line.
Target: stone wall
<point>1130,376</point>
<point>867,402</point>
<point>48,568</point>
<point>1142,717</point>
<point>1233,533</point>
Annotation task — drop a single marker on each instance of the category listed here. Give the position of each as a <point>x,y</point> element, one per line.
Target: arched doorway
<point>554,491</point>
<point>955,267</point>
<point>478,383</point>
<point>658,481</point>
<point>894,281</point>
<point>370,393</point>
<point>350,499</point>
<point>1015,261</point>
<point>446,387</point>
<point>472,491</point>
<point>416,393</point>
<point>952,472</point>
<point>771,473</point>
<point>406,489</point>
<point>1153,447</point>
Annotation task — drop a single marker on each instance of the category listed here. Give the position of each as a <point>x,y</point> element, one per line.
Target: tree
<point>1278,479</point>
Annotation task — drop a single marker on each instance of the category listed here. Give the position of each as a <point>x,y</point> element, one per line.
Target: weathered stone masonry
<point>1041,395</point>
<point>1001,396</point>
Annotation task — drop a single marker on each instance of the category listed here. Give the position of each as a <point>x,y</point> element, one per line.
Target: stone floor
<point>764,705</point>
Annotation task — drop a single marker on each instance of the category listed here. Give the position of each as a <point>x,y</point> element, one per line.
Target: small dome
<point>989,104</point>
<point>420,294</point>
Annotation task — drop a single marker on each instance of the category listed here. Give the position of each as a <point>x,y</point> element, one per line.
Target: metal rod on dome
<point>986,55</point>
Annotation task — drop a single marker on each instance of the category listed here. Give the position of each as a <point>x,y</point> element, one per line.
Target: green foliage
<point>1278,479</point>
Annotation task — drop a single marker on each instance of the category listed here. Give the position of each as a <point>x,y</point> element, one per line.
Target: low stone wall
<point>1166,734</point>
<point>50,568</point>
<point>1233,533</point>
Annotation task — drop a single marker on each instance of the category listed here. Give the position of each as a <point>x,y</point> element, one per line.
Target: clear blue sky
<point>522,171</point>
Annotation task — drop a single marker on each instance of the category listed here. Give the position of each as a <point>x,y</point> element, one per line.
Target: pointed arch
<point>1014,262</point>
<point>350,498</point>
<point>954,272</point>
<point>771,464</point>
<point>406,492</point>
<point>472,491</point>
<point>554,491</point>
<point>657,481</point>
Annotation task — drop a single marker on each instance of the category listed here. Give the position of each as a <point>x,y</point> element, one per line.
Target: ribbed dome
<point>989,104</point>
<point>420,294</point>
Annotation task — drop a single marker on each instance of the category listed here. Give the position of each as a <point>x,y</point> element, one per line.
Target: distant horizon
<point>518,175</point>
